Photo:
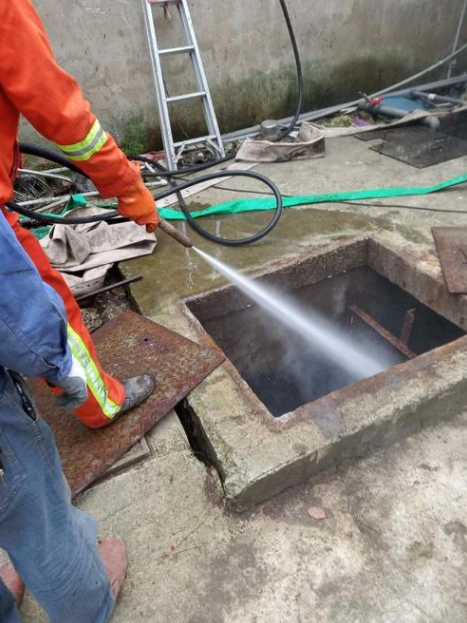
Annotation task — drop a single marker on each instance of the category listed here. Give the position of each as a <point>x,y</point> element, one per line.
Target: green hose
<point>253,205</point>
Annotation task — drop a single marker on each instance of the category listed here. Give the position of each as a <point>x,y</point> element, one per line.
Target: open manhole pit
<point>277,412</point>
<point>286,372</point>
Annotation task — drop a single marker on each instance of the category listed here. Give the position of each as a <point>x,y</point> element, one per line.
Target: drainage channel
<point>197,438</point>
<point>199,442</point>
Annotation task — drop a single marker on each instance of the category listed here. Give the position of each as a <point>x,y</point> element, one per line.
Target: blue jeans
<point>52,545</point>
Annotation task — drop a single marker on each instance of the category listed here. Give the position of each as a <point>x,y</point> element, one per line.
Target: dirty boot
<point>113,552</point>
<point>137,390</point>
<point>13,582</point>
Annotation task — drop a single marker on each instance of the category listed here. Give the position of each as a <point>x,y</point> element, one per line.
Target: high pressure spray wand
<point>175,233</point>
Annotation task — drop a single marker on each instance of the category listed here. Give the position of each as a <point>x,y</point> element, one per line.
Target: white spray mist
<point>316,330</point>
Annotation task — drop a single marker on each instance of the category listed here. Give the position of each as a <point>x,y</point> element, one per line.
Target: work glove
<point>75,388</point>
<point>137,204</point>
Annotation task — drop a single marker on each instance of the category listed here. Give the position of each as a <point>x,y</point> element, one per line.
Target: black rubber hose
<point>54,156</point>
<point>298,64</point>
<point>29,149</point>
<point>163,172</point>
<point>114,216</point>
<point>225,241</point>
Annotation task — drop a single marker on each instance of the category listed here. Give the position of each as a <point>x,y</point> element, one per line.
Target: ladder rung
<point>193,141</point>
<point>187,96</point>
<point>183,50</point>
<point>164,2</point>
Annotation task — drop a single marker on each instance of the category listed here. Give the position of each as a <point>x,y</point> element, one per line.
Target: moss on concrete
<point>137,136</point>
<point>272,94</point>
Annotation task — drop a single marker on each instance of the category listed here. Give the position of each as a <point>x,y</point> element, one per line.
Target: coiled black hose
<point>114,216</point>
<point>28,148</point>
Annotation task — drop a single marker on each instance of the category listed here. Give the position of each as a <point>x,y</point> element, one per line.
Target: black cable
<point>352,203</point>
<point>247,192</point>
<point>400,206</point>
<point>115,217</point>
<point>282,135</point>
<point>29,149</point>
<point>185,171</point>
<point>298,63</point>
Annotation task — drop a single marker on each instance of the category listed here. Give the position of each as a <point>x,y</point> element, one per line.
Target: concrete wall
<point>347,46</point>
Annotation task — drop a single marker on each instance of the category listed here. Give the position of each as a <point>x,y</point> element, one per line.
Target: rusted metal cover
<point>451,243</point>
<point>127,346</point>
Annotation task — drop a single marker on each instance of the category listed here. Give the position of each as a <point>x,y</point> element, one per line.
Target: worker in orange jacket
<point>33,85</point>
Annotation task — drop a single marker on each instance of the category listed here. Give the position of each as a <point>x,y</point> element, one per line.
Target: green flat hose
<point>240,206</point>
<point>254,205</point>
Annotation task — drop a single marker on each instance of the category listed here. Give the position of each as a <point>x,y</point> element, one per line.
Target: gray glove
<point>75,389</point>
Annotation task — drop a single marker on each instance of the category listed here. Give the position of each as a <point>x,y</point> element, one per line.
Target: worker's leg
<point>8,611</point>
<point>106,394</point>
<point>52,545</point>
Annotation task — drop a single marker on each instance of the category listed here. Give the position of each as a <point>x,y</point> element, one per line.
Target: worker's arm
<point>53,103</point>
<point>33,327</point>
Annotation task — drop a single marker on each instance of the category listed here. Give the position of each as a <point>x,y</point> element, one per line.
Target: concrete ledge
<point>366,419</point>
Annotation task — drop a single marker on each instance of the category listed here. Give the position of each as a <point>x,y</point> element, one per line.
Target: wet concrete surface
<point>349,165</point>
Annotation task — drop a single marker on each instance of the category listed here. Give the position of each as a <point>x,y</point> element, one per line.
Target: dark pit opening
<point>285,372</point>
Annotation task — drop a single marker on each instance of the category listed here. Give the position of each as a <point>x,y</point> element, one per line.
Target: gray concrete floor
<point>393,543</point>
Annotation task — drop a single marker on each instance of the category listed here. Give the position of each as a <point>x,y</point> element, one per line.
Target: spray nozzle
<point>175,233</point>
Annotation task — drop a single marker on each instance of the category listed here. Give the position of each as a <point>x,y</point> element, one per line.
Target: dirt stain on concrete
<point>236,576</point>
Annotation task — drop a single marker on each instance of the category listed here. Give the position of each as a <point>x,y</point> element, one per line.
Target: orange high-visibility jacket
<point>32,84</point>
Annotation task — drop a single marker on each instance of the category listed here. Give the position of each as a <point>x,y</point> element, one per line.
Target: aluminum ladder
<point>213,140</point>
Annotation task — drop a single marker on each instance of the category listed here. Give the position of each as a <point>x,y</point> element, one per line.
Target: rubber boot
<point>137,390</point>
<point>13,582</point>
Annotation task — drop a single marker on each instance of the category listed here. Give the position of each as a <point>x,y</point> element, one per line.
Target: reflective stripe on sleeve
<point>94,141</point>
<point>94,380</point>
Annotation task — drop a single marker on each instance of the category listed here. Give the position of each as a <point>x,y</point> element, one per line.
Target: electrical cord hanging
<point>284,133</point>
<point>298,64</point>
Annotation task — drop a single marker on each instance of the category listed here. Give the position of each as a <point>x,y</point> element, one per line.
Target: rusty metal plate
<point>127,346</point>
<point>451,243</point>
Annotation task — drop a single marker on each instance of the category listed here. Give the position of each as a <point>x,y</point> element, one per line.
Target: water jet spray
<point>321,334</point>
